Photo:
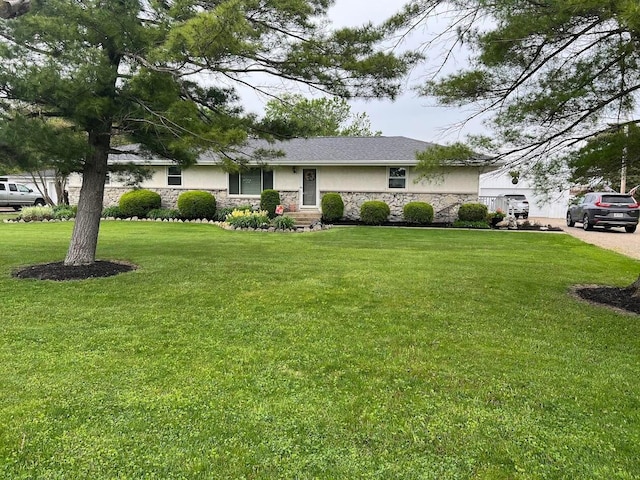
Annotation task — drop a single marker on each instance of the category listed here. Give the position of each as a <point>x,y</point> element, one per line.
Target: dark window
<point>267,179</point>
<point>2,187</point>
<point>397,177</point>
<point>617,199</point>
<point>250,182</point>
<point>174,176</point>
<point>12,187</point>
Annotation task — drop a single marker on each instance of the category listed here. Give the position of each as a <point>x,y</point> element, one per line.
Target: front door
<point>309,187</point>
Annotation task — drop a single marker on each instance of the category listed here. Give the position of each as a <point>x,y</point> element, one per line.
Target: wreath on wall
<point>310,176</point>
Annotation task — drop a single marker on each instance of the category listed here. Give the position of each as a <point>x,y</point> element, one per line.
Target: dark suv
<point>603,209</point>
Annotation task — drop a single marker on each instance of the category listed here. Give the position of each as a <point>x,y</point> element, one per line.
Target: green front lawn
<point>351,353</point>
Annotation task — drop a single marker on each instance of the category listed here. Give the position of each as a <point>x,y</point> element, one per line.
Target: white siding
<point>494,184</point>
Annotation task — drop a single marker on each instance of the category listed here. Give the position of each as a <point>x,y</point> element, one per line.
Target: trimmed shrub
<point>112,212</point>
<point>197,204</point>
<point>269,200</point>
<point>163,213</point>
<point>283,222</point>
<point>332,207</point>
<point>374,212</point>
<point>137,203</point>
<point>418,212</point>
<point>473,212</point>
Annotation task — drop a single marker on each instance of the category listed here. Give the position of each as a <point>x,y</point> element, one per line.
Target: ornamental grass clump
<point>248,219</point>
<point>36,214</point>
<point>112,212</point>
<point>283,222</point>
<point>163,214</point>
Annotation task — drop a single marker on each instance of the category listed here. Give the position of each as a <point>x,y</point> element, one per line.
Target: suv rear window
<point>516,197</point>
<point>617,199</point>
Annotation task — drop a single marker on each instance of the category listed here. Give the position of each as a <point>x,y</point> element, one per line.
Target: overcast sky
<point>410,115</point>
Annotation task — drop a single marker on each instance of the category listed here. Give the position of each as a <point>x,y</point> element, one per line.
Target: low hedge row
<point>202,205</point>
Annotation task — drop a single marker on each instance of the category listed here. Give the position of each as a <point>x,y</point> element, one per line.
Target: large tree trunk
<point>82,249</point>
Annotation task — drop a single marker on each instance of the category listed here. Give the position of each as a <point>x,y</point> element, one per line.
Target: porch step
<point>305,217</point>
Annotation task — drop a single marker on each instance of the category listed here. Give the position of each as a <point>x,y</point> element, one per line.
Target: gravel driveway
<point>615,239</point>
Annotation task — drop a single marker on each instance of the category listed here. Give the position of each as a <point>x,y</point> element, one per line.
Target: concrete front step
<point>305,217</point>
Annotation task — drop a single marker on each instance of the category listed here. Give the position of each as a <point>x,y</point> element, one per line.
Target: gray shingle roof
<point>324,151</point>
<point>347,150</point>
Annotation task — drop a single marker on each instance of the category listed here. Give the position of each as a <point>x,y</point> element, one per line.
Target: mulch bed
<point>616,297</point>
<point>60,272</point>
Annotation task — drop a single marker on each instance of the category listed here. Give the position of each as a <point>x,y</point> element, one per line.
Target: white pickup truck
<point>17,195</point>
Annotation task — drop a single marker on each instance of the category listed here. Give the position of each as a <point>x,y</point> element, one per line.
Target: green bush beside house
<point>197,204</point>
<point>332,207</point>
<point>420,213</point>
<point>374,212</point>
<point>137,203</point>
<point>269,200</point>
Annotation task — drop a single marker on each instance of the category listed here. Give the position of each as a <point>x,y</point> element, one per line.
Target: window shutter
<point>267,179</point>
<point>234,184</point>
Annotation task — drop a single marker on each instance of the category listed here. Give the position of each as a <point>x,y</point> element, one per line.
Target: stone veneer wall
<point>397,201</point>
<point>441,202</point>
<point>170,197</point>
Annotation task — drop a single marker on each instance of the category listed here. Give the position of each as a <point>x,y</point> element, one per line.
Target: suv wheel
<point>630,228</point>
<point>39,203</point>
<point>570,222</point>
<point>585,223</point>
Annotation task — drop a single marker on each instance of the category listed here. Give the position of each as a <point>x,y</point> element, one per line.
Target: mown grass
<point>351,353</point>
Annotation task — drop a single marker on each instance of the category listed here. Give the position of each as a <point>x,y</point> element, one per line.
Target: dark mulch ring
<point>61,272</point>
<point>620,298</point>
